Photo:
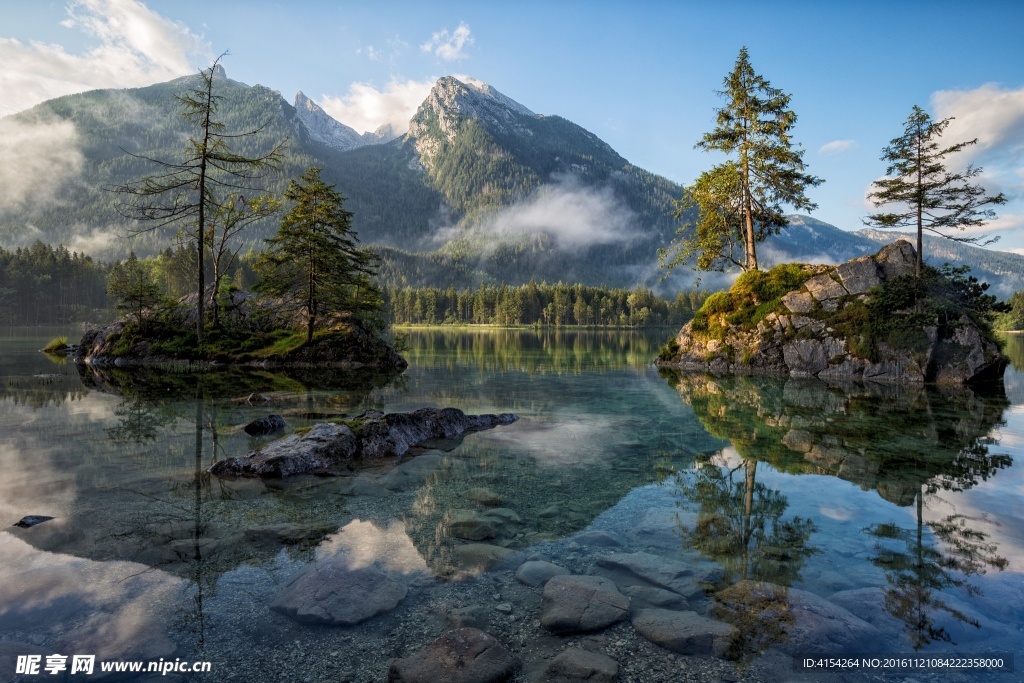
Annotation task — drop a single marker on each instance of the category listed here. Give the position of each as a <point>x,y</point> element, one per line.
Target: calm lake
<point>810,520</point>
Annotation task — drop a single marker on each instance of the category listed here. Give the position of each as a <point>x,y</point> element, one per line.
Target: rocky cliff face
<point>824,328</point>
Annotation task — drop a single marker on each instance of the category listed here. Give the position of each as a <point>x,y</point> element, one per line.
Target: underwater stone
<point>465,655</point>
<point>265,425</point>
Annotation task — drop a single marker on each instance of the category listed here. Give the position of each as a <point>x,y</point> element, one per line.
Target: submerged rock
<point>335,593</point>
<point>265,425</point>
<point>822,328</point>
<point>686,633</point>
<point>577,604</point>
<point>794,620</point>
<point>576,665</point>
<point>537,572</point>
<point>465,655</point>
<point>31,520</point>
<point>329,445</point>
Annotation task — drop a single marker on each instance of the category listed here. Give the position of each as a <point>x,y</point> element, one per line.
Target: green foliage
<point>44,284</point>
<point>900,310</point>
<point>195,189</point>
<point>932,198</point>
<point>740,202</point>
<point>753,297</point>
<point>133,289</point>
<point>669,351</point>
<point>56,344</point>
<point>314,262</point>
<point>1012,319</point>
<point>539,304</point>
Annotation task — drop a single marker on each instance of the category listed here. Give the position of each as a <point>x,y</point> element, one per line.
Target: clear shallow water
<point>900,506</point>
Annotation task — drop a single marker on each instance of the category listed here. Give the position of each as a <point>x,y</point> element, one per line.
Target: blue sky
<point>641,75</point>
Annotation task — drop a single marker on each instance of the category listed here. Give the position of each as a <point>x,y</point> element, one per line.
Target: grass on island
<point>56,345</point>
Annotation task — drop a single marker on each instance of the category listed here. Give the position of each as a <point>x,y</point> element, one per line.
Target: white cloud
<point>450,46</point>
<point>365,108</point>
<point>136,47</point>
<point>836,147</point>
<point>35,161</point>
<point>993,115</point>
<point>574,215</point>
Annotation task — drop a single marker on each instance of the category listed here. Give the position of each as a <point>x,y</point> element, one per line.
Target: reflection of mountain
<point>891,439</point>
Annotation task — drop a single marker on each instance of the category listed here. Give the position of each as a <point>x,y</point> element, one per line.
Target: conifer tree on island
<point>187,192</point>
<point>314,262</point>
<point>933,198</point>
<point>739,202</point>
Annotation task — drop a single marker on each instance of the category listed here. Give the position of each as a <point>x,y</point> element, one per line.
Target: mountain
<point>480,188</point>
<point>317,127</point>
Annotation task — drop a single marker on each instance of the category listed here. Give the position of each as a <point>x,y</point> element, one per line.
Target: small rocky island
<point>249,331</point>
<point>870,318</point>
<point>369,437</point>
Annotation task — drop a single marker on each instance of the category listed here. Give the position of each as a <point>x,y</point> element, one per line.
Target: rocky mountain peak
<point>319,126</point>
<point>452,101</point>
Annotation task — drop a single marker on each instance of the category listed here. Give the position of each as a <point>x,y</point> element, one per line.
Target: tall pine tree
<point>745,195</point>
<point>314,262</point>
<point>932,197</point>
<point>187,192</point>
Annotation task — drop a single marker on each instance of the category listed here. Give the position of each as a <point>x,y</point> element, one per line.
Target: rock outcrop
<point>372,436</point>
<point>821,329</point>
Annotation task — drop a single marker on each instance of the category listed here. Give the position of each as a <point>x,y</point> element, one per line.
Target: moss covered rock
<point>868,319</point>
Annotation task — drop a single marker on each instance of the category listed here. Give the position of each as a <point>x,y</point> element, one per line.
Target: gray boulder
<point>577,604</point>
<point>334,593</point>
<point>686,633</point>
<point>647,569</point>
<point>576,665</point>
<point>323,447</point>
<point>537,572</point>
<point>465,655</point>
<point>265,425</point>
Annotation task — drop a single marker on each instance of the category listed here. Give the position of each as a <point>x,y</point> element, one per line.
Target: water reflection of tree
<point>740,524</point>
<point>918,573</point>
<point>907,443</point>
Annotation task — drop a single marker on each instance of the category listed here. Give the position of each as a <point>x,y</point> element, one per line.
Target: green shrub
<point>56,344</point>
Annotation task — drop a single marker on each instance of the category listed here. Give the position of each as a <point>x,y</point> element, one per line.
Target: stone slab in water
<point>265,425</point>
<point>687,633</point>
<point>576,665</point>
<point>465,655</point>
<point>337,594</point>
<point>327,446</point>
<point>31,520</point>
<point>538,572</point>
<point>577,604</point>
<point>631,569</point>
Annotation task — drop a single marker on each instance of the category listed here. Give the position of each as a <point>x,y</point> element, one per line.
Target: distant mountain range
<point>480,188</point>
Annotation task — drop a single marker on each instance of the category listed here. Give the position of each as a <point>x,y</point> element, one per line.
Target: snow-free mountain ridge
<point>480,188</point>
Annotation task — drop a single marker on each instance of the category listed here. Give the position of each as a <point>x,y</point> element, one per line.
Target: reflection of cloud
<point>364,543</point>
<point>836,513</point>
<point>137,47</point>
<point>365,108</point>
<point>36,160</point>
<point>449,46</point>
<point>558,440</point>
<point>122,604</point>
